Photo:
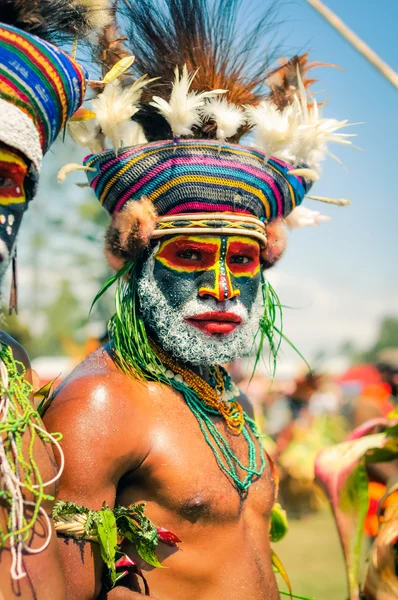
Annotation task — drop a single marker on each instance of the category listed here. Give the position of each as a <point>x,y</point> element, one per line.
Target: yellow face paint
<point>13,170</point>
<point>225,261</point>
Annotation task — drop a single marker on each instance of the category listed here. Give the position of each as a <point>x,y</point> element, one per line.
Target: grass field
<point>312,557</point>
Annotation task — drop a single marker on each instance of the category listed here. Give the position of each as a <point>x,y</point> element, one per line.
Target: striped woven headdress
<point>195,177</point>
<point>40,89</point>
<point>176,165</point>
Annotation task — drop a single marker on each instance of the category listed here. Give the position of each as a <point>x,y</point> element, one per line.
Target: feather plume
<point>304,217</point>
<point>207,36</point>
<point>284,82</point>
<point>87,134</point>
<point>98,13</point>
<point>227,117</point>
<point>274,129</point>
<point>313,134</point>
<point>114,109</point>
<point>70,168</point>
<point>183,111</point>
<point>56,21</point>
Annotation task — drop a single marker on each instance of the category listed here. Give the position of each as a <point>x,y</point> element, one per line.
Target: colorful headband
<point>40,89</point>
<point>198,177</point>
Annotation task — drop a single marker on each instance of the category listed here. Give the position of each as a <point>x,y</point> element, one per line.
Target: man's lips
<point>215,322</point>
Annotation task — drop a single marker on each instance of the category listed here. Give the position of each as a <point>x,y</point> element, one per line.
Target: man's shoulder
<point>102,414</point>
<point>98,385</point>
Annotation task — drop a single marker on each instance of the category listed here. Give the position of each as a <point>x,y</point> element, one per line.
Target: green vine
<point>19,469</point>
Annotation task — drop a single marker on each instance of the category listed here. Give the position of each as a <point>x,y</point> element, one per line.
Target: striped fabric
<point>41,80</point>
<point>195,176</point>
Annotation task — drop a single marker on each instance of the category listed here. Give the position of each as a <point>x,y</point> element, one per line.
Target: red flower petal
<point>125,561</point>
<point>167,537</point>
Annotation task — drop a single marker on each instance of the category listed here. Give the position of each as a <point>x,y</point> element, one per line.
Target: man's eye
<point>240,260</point>
<point>189,255</point>
<point>7,182</point>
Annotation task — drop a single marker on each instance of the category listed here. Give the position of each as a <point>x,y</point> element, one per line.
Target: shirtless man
<point>129,441</point>
<point>196,220</point>
<point>32,112</point>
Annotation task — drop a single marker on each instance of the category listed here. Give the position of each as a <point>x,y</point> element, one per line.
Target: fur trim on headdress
<point>130,231</point>
<point>276,243</point>
<point>56,21</point>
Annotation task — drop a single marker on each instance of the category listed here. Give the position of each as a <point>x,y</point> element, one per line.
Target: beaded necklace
<point>206,401</point>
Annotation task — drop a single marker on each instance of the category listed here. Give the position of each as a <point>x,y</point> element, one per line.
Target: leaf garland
<point>108,526</point>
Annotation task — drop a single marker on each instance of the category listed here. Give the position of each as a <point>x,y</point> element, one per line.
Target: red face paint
<point>219,267</point>
<point>13,171</point>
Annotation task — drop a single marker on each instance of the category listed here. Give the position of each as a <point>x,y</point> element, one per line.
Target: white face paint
<point>187,343</point>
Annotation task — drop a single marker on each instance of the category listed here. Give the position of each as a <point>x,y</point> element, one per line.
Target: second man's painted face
<point>13,202</point>
<point>201,296</point>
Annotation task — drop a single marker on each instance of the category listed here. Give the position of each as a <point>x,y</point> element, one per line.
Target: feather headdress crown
<point>40,85</point>
<point>176,145</point>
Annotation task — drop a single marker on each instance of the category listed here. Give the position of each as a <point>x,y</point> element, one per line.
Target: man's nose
<point>221,288</point>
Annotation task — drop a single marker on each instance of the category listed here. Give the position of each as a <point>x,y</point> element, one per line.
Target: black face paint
<point>13,202</point>
<point>188,266</point>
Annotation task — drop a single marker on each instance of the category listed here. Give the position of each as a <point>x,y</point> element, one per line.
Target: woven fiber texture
<point>41,80</point>
<point>197,176</point>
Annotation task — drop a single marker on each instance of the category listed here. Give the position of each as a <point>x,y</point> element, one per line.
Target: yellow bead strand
<point>232,412</point>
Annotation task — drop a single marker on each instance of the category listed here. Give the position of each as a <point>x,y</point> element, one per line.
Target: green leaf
<point>278,566</point>
<point>62,508</point>
<point>147,552</point>
<point>107,535</point>
<point>44,395</point>
<point>279,524</point>
<point>109,283</point>
<point>341,471</point>
<point>295,596</point>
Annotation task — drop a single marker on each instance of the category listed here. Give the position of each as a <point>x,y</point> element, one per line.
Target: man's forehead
<point>209,241</point>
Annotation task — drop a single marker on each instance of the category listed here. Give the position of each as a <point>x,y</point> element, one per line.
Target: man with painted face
<point>40,88</point>
<point>154,417</point>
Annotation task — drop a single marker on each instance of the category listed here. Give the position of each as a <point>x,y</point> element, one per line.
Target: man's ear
<point>276,233</point>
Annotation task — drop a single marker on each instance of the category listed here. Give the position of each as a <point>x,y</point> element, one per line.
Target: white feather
<point>115,107</point>
<point>133,134</point>
<point>70,168</point>
<point>304,217</point>
<point>100,13</point>
<point>310,144</point>
<point>274,129</point>
<point>228,117</point>
<point>182,112</point>
<point>87,134</point>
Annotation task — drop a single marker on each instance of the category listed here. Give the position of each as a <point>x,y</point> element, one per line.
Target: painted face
<point>201,296</point>
<point>13,202</point>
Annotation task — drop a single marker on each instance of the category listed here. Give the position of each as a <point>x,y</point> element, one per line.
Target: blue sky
<point>341,277</point>
<point>343,274</point>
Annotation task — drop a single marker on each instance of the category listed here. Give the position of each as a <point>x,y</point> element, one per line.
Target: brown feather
<point>283,80</point>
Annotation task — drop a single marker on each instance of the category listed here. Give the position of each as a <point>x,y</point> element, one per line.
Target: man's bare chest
<point>181,473</point>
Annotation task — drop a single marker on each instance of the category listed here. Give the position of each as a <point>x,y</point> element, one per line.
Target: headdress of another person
<point>40,85</point>
<point>176,164</point>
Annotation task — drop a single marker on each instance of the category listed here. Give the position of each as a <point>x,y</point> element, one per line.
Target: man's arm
<point>100,446</point>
